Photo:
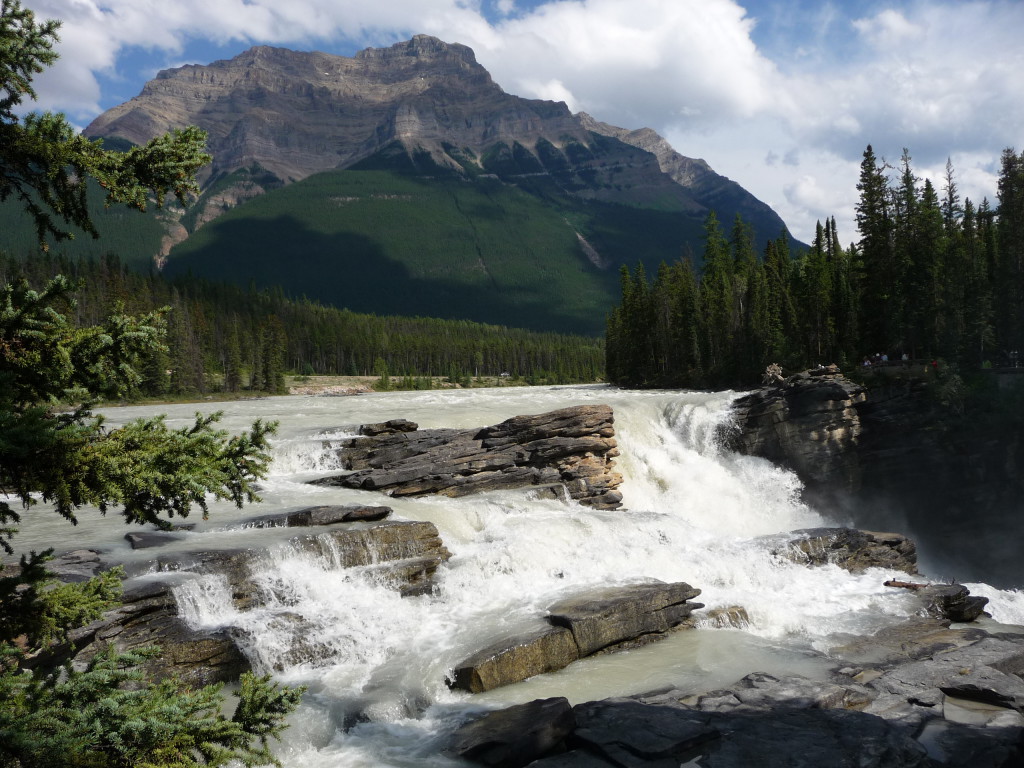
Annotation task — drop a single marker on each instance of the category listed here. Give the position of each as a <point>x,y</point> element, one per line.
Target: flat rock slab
<point>546,650</point>
<point>330,514</point>
<point>77,565</point>
<point>516,736</point>
<point>626,733</point>
<point>916,638</point>
<point>600,620</point>
<point>574,447</point>
<point>987,671</point>
<point>148,539</point>
<point>609,616</point>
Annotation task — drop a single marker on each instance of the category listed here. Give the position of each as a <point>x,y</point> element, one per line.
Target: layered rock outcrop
<point>404,554</point>
<point>602,620</point>
<point>899,450</point>
<point>939,697</point>
<point>808,423</point>
<point>572,446</point>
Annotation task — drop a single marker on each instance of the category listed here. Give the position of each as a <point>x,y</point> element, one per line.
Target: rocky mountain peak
<point>423,48</point>
<point>275,116</point>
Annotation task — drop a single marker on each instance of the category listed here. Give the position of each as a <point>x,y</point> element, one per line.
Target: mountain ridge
<point>427,109</point>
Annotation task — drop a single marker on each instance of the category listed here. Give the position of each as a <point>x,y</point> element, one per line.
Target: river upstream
<point>376,663</point>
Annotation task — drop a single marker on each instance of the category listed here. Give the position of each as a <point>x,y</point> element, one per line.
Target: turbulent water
<point>376,664</point>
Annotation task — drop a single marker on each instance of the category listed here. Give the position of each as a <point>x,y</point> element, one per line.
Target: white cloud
<point>889,29</point>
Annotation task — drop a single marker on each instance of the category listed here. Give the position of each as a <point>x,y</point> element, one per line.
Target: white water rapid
<point>376,663</point>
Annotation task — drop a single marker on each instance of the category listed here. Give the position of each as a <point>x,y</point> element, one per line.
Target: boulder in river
<point>515,736</point>
<point>606,619</point>
<point>572,446</point>
<point>851,549</point>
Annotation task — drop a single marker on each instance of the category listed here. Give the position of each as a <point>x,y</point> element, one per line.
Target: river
<point>376,664</point>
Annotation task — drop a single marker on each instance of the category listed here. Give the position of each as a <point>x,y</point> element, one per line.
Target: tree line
<point>932,276</point>
<point>224,338</point>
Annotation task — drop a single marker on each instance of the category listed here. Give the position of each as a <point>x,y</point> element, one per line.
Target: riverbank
<point>335,386</point>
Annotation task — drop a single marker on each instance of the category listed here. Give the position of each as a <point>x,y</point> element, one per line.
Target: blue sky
<point>780,96</point>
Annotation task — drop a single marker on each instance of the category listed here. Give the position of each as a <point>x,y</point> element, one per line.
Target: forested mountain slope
<point>405,180</point>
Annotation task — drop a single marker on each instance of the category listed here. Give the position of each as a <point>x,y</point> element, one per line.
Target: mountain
<point>405,180</point>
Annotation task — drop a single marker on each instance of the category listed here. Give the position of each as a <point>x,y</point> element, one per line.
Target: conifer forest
<point>932,277</point>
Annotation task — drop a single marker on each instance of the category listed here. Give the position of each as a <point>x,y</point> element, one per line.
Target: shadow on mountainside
<point>349,270</point>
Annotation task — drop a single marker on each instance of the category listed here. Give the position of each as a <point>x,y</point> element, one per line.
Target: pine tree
<point>274,355</point>
<point>925,314</point>
<point>232,360</point>
<point>878,280</point>
<point>106,714</point>
<point>1009,273</point>
<point>46,165</point>
<point>716,291</point>
<point>815,298</point>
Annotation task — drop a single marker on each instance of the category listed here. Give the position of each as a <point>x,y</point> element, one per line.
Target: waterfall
<point>376,663</point>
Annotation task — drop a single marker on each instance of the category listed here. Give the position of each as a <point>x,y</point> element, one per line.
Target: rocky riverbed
<point>941,688</point>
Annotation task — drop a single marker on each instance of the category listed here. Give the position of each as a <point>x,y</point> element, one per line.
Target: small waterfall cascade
<point>376,663</point>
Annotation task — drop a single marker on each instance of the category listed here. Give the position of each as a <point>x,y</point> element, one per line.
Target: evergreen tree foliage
<point>930,277</point>
<point>54,365</point>
<point>317,339</point>
<point>106,717</point>
<point>151,473</point>
<point>879,276</point>
<point>1009,268</point>
<point>47,166</point>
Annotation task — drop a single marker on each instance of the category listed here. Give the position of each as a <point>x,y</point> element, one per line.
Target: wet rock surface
<point>597,621</point>
<point>851,549</point>
<point>148,617</point>
<point>898,450</point>
<point>404,553</point>
<point>401,554</point>
<point>808,423</point>
<point>515,736</point>
<point>957,704</point>
<point>322,515</point>
<point>572,446</point>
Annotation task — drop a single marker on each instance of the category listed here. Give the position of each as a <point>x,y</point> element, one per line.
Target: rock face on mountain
<point>428,110</point>
<point>297,113</point>
<point>571,447</point>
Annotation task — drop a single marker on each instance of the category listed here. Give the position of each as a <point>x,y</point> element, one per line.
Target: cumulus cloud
<point>644,63</point>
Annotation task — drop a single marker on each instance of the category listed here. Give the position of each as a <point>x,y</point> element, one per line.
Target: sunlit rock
<point>574,447</point>
<point>614,618</point>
